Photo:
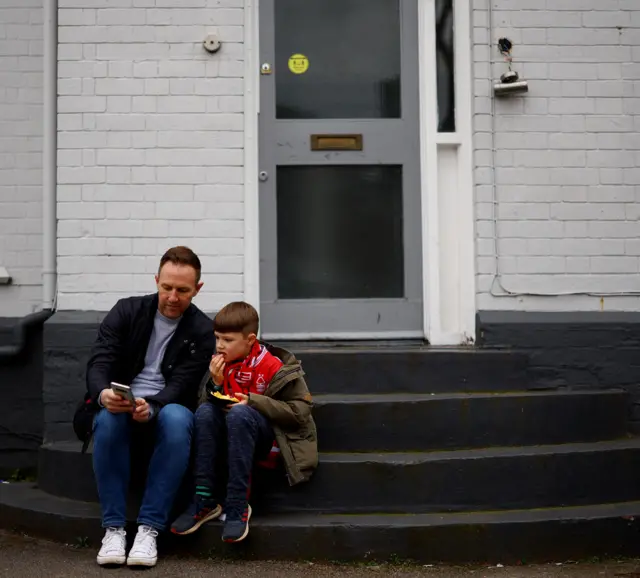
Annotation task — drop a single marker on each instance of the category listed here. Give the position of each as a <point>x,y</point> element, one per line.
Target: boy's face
<point>234,345</point>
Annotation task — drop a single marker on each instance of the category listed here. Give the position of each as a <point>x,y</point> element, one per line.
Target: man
<point>160,345</point>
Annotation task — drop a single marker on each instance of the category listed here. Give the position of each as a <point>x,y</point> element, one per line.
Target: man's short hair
<point>182,256</point>
<point>237,317</point>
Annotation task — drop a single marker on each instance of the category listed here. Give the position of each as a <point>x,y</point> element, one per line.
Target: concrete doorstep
<point>509,537</point>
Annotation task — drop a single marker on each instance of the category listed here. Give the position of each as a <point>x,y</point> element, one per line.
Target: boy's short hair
<point>237,317</point>
<point>182,256</point>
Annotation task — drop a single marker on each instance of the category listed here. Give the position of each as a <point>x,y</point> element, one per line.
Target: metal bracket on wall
<point>5,278</point>
<point>20,332</point>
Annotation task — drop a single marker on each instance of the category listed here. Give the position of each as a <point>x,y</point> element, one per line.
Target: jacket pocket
<point>303,448</point>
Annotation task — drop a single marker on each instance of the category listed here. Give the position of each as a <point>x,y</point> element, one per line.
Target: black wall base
<point>577,349</point>
<point>68,337</point>
<point>21,407</point>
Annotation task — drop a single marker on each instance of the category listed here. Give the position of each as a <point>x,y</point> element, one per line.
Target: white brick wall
<point>151,137</point>
<point>21,154</point>
<point>567,154</point>
<point>150,146</point>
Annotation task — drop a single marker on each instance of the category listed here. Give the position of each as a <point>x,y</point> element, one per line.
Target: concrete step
<point>516,536</point>
<point>353,369</point>
<point>425,421</point>
<point>417,482</point>
<point>359,370</point>
<point>418,422</point>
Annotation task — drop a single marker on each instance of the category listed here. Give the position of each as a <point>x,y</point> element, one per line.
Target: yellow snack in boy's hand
<point>223,397</point>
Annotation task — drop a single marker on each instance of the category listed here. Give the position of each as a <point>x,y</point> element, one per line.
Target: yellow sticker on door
<point>298,63</point>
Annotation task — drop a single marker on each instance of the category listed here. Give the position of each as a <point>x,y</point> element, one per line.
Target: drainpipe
<point>8,353</point>
<point>49,154</point>
<point>49,182</point>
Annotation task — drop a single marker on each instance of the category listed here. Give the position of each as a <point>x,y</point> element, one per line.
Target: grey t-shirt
<point>150,380</point>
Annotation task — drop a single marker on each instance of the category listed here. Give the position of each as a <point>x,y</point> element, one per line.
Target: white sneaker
<point>144,551</point>
<point>114,547</point>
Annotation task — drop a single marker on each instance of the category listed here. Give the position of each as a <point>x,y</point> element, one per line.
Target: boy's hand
<point>114,403</point>
<point>216,369</point>
<point>244,399</point>
<point>142,413</point>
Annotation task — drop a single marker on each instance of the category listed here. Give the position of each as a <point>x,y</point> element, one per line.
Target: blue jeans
<point>248,437</point>
<point>112,438</point>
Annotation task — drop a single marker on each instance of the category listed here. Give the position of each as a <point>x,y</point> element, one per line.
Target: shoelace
<point>114,539</point>
<point>202,513</point>
<point>145,539</point>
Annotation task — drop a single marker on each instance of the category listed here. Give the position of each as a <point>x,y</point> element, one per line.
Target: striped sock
<point>205,494</point>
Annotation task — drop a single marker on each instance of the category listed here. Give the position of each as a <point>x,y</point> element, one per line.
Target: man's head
<point>236,328</point>
<point>178,281</point>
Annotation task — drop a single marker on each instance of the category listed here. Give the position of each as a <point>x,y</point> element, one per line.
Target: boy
<point>269,415</point>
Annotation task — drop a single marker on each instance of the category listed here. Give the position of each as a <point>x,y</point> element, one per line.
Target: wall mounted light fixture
<point>510,83</point>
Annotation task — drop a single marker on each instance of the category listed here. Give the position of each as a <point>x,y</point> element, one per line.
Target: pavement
<point>25,557</point>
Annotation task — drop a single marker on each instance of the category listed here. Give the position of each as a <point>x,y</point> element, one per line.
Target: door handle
<point>263,176</point>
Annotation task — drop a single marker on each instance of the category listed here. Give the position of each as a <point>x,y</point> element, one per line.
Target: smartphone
<point>123,391</point>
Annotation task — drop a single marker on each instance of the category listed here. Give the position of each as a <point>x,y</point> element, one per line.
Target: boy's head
<point>236,328</point>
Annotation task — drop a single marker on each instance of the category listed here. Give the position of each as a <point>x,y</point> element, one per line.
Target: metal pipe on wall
<point>8,353</point>
<point>49,154</point>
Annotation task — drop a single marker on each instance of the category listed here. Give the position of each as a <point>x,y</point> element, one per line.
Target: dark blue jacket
<point>121,345</point>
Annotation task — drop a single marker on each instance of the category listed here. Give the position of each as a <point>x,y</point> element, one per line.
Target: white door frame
<point>446,182</point>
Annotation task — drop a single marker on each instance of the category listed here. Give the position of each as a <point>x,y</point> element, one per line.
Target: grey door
<point>340,233</point>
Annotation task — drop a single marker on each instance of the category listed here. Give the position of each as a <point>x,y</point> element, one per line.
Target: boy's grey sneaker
<point>236,530</point>
<point>196,514</point>
<point>114,547</point>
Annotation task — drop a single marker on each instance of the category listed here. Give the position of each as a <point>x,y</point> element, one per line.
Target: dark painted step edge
<point>410,458</point>
<point>366,398</point>
<point>396,347</point>
<point>507,537</point>
<point>69,474</point>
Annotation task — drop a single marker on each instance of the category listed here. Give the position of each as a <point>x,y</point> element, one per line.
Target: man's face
<point>234,345</point>
<point>177,286</point>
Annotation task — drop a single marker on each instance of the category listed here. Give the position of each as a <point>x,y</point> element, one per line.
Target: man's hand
<point>216,369</point>
<point>114,402</point>
<point>142,412</point>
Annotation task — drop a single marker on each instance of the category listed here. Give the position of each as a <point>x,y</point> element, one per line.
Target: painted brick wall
<point>150,146</point>
<point>567,168</point>
<point>21,154</point>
